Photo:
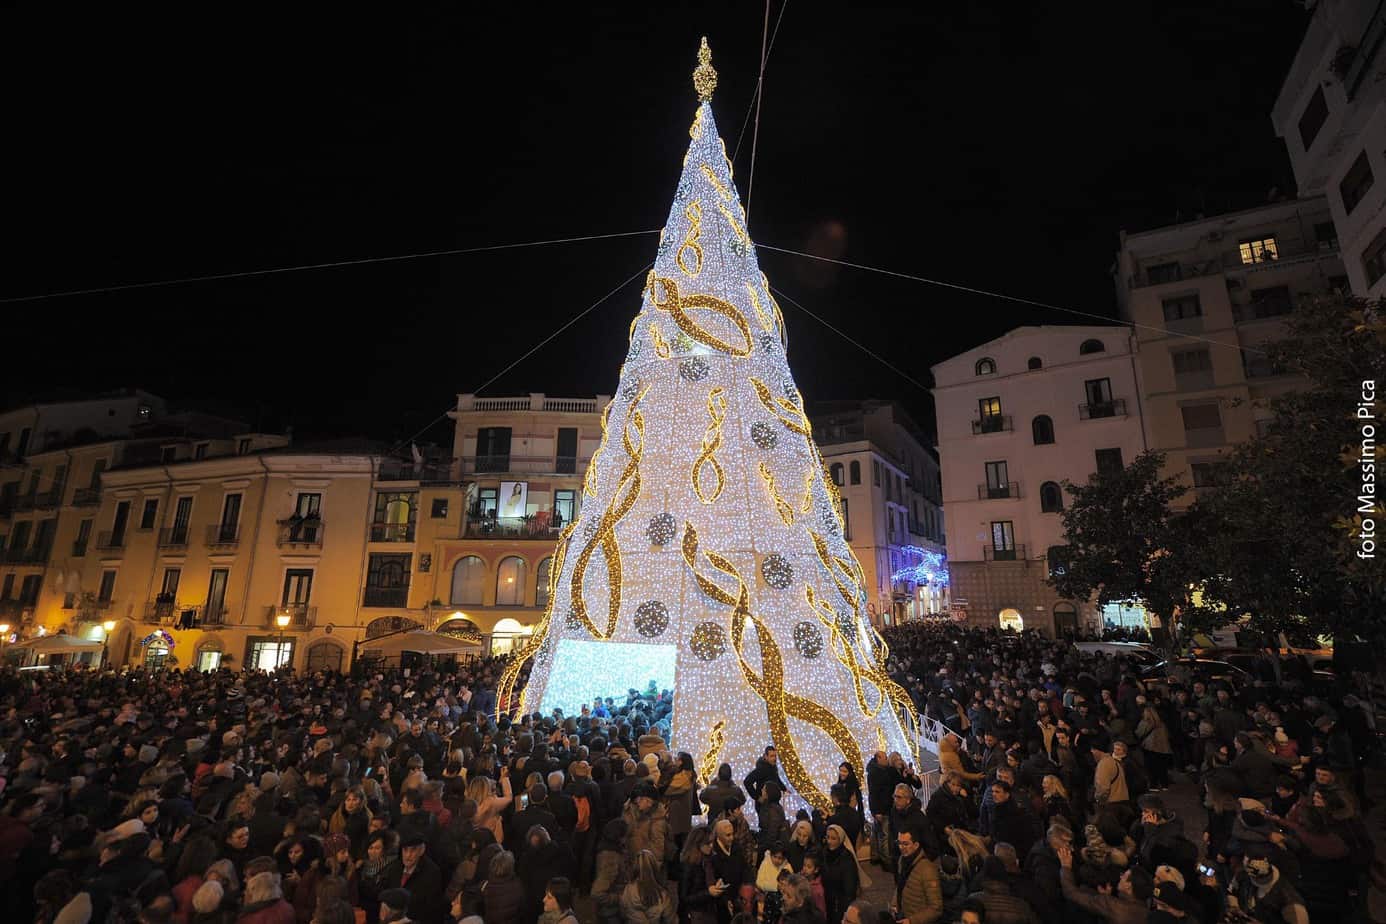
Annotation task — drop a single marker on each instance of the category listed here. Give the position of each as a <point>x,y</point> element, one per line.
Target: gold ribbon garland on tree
<point>782,507</point>
<point>712,441</point>
<point>623,498</point>
<point>780,704</point>
<point>694,214</point>
<point>664,294</point>
<point>846,575</point>
<point>715,741</point>
<point>505,690</point>
<point>589,480</point>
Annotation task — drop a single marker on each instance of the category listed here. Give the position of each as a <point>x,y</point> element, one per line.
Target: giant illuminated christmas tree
<point>709,554</point>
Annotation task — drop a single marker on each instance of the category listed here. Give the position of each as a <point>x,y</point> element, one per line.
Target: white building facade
<point>1017,417</point>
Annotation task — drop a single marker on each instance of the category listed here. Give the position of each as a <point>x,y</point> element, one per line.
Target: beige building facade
<point>1203,297</point>
<point>523,460</point>
<point>1017,417</point>
<point>891,504</point>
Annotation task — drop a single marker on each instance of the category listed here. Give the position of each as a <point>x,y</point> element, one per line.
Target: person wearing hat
<point>1260,891</point>
<point>647,824</point>
<point>1169,903</point>
<point>394,906</point>
<point>1162,839</point>
<point>415,871</point>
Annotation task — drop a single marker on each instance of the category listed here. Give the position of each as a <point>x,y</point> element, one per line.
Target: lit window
<point>1259,250</point>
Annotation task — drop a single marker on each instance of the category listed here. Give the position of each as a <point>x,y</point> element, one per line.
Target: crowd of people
<point>181,797</point>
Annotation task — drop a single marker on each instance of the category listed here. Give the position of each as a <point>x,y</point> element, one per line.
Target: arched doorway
<point>1011,620</point>
<point>460,627</point>
<point>209,655</point>
<point>507,634</point>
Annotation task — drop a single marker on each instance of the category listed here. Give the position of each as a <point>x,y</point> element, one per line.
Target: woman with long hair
<point>490,804</point>
<point>698,891</point>
<point>677,790</point>
<point>609,876</point>
<point>353,819</point>
<point>847,776</point>
<point>644,900</point>
<point>800,843</point>
<point>1056,803</point>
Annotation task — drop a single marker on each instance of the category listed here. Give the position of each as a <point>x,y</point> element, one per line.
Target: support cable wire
<point>316,266</point>
<point>534,349</point>
<point>1010,298</point>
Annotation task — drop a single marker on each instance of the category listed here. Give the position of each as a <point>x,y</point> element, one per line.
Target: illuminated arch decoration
<point>158,636</point>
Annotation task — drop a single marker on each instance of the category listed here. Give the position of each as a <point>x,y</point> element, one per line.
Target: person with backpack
<point>586,798</point>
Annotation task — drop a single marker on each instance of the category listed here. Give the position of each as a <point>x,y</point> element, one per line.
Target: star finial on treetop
<point>704,77</point>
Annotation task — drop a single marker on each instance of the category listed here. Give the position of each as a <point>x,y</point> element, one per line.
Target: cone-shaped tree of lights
<point>709,555</point>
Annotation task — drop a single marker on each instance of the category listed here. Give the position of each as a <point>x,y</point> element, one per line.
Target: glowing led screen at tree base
<point>606,669</point>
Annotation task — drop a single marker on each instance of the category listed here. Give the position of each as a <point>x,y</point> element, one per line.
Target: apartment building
<point>1203,297</point>
<point>523,460</point>
<point>892,504</point>
<point>1017,417</point>
<point>1331,113</point>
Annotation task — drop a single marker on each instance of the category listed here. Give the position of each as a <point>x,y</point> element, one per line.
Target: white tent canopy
<point>421,641</point>
<point>58,644</point>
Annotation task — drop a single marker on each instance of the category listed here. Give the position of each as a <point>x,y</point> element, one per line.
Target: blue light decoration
<point>930,568</point>
<point>155,636</point>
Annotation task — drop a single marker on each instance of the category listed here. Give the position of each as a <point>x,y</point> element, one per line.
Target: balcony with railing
<point>1195,266</point>
<point>1116,407</point>
<point>521,465</point>
<point>79,548</point>
<point>1006,491</point>
<point>392,532</point>
<point>1014,553</point>
<point>173,537</point>
<point>415,471</point>
<point>223,535</point>
<point>109,541</point>
<point>992,423</point>
<point>48,500</point>
<point>386,596</point>
<point>7,508</point>
<point>301,616</point>
<point>161,612</point>
<point>535,526</point>
<point>12,609</point>
<point>86,497</point>
<point>300,533</point>
<point>25,502</point>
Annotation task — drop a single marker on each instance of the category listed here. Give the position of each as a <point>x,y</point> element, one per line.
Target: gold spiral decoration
<point>735,223</point>
<point>695,131</point>
<point>809,477</point>
<point>694,213</point>
<point>785,411</point>
<point>589,478</point>
<point>782,507</point>
<point>714,182</point>
<point>847,577</point>
<point>780,704</point>
<point>604,537</point>
<point>712,441</point>
<point>661,346</point>
<point>716,739</point>
<point>505,690</point>
<point>767,322</point>
<point>779,316</point>
<point>664,294</point>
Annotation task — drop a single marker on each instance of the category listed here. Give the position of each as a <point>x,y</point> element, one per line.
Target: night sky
<point>990,144</point>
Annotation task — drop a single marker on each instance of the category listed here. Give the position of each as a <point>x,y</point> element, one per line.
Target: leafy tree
<point>1287,526</point>
<point>1125,541</point>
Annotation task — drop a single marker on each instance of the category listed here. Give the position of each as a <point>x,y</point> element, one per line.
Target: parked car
<point>1137,651</point>
<point>1204,669</point>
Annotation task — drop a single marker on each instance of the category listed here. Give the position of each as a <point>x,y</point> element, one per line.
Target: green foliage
<point>1277,541</point>
<point>1124,540</point>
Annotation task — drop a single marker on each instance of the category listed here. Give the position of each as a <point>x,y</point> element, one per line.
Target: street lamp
<point>107,628</point>
<point>4,634</point>
<point>283,622</point>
